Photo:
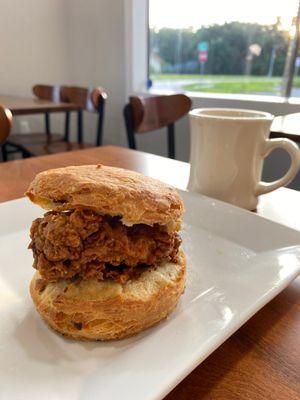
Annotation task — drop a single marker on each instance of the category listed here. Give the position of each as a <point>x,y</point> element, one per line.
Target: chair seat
<point>34,138</point>
<point>56,147</point>
<point>39,144</point>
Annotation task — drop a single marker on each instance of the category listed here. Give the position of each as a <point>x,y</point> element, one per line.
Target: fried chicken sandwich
<point>107,251</point>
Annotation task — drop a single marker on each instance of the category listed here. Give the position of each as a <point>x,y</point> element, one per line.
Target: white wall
<point>96,53</point>
<point>33,47</point>
<point>65,42</point>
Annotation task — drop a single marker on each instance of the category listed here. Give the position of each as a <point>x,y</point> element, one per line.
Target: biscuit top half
<point>136,198</point>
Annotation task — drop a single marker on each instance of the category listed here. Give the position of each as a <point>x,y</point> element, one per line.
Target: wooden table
<point>262,359</point>
<point>287,126</point>
<point>23,105</point>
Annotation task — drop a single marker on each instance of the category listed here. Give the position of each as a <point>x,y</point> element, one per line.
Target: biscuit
<point>106,310</point>
<point>138,199</point>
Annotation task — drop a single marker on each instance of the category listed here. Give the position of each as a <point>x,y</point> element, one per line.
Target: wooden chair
<point>30,143</point>
<point>145,114</point>
<point>41,144</point>
<point>55,94</point>
<point>91,100</point>
<point>5,127</point>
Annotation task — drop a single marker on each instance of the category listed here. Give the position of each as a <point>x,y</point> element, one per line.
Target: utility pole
<point>248,66</point>
<point>289,68</point>
<point>253,50</point>
<point>178,55</point>
<point>272,61</point>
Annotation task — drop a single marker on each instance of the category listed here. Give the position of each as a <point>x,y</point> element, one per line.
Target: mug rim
<point>261,115</point>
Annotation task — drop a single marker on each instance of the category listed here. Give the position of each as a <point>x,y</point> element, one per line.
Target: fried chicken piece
<point>85,244</point>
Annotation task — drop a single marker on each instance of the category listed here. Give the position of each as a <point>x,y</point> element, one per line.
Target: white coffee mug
<point>228,147</point>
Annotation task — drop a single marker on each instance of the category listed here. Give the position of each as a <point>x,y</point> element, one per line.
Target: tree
<point>228,47</point>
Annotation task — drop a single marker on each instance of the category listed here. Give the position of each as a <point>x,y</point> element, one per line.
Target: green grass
<point>236,87</point>
<point>226,83</point>
<point>194,77</point>
<point>297,82</point>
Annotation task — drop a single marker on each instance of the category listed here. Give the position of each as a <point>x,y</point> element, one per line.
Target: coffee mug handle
<point>293,150</point>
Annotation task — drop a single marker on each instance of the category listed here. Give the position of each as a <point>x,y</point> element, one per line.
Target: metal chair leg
<point>16,148</point>
<point>3,153</point>
<point>101,110</point>
<point>171,141</point>
<point>129,126</point>
<point>47,124</point>
<point>79,126</point>
<point>67,127</point>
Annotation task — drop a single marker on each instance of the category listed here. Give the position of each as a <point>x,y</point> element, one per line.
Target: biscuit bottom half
<point>107,310</point>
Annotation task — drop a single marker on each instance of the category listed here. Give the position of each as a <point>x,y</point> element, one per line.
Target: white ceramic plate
<point>237,262</point>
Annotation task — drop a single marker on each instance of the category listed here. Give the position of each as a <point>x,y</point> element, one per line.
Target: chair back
<point>5,123</point>
<point>51,93</point>
<point>145,114</point>
<point>89,99</point>
<point>151,113</point>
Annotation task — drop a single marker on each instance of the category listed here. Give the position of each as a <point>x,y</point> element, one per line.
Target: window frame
<point>137,70</point>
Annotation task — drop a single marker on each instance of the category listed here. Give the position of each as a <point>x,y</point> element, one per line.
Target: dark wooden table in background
<point>261,361</point>
<point>287,126</point>
<point>23,105</point>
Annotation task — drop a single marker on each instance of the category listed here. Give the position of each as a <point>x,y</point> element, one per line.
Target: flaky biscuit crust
<point>114,191</point>
<point>93,310</point>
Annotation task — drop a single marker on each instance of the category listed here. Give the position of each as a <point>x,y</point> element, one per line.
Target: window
<point>227,46</point>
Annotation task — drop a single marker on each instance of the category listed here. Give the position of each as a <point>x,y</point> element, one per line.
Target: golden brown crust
<point>92,310</point>
<point>113,191</point>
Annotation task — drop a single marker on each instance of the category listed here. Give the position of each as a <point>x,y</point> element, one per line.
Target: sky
<point>194,13</point>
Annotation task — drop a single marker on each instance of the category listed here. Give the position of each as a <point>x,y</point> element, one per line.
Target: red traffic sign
<point>202,56</point>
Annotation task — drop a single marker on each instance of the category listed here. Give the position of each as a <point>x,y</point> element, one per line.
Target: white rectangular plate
<point>237,262</point>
